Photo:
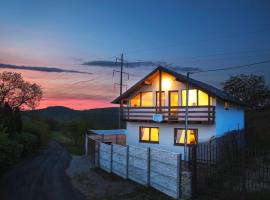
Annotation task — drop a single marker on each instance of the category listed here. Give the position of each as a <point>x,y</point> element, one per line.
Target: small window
<point>136,101</point>
<point>147,99</point>
<point>179,136</point>
<point>226,105</point>
<point>149,134</point>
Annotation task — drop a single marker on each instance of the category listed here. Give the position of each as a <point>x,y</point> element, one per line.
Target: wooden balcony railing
<point>196,114</point>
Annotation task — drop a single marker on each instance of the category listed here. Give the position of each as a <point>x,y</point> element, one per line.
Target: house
<point>154,109</point>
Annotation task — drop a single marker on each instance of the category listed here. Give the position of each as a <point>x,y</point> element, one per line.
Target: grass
<point>67,142</point>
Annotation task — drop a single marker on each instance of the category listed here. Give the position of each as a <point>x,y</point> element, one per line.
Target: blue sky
<point>202,34</point>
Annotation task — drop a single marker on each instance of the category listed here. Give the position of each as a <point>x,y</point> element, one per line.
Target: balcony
<point>196,114</point>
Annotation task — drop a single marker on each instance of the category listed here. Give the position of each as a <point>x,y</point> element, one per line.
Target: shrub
<point>39,128</point>
<point>10,152</point>
<point>29,142</point>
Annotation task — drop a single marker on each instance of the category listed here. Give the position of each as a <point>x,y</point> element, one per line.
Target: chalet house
<point>154,109</point>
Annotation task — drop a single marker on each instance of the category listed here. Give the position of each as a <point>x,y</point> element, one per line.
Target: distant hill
<point>101,117</point>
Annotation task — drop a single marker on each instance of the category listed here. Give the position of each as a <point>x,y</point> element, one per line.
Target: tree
<point>250,89</point>
<point>17,92</point>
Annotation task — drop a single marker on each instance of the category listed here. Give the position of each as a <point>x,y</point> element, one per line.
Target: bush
<point>39,128</point>
<point>10,152</point>
<point>29,142</point>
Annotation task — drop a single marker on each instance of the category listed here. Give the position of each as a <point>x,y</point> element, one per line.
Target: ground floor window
<point>149,134</point>
<point>179,136</point>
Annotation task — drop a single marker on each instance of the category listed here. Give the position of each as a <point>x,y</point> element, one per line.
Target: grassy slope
<point>67,142</point>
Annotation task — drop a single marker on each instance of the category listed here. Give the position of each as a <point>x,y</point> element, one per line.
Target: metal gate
<point>228,168</point>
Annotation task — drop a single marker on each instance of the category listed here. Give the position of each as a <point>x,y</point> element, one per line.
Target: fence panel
<point>138,168</point>
<point>105,157</point>
<point>164,172</point>
<point>119,160</point>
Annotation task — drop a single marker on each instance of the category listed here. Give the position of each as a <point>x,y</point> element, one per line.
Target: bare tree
<point>17,92</point>
<point>250,89</point>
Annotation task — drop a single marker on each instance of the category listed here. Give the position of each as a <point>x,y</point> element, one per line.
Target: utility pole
<point>121,72</point>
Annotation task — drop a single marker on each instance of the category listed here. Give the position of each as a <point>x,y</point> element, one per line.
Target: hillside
<point>101,117</point>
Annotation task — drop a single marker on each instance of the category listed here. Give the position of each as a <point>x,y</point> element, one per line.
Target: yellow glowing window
<point>196,98</point>
<point>179,136</point>
<point>203,98</point>
<point>147,99</point>
<point>136,101</point>
<point>162,98</point>
<point>149,134</point>
<point>173,98</point>
<point>192,97</point>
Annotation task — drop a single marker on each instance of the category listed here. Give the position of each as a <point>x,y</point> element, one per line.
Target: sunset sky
<point>181,35</point>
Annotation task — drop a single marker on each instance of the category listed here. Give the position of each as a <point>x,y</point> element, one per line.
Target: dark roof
<point>180,77</point>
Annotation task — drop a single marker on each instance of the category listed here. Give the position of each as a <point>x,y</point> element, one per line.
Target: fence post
<point>127,162</point>
<point>148,165</point>
<point>179,170</point>
<point>111,158</point>
<point>194,170</point>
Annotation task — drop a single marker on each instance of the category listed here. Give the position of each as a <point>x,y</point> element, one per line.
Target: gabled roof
<point>182,78</point>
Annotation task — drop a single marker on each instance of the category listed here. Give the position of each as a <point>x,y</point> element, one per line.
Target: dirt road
<point>41,178</point>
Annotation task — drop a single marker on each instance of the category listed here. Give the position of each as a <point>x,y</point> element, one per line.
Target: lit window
<point>203,98</point>
<point>162,98</point>
<point>196,98</point>
<point>147,99</point>
<point>192,97</point>
<point>149,134</point>
<point>173,98</point>
<point>179,136</point>
<point>226,105</point>
<point>136,101</point>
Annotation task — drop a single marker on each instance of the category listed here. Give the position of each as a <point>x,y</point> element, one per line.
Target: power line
<point>231,68</point>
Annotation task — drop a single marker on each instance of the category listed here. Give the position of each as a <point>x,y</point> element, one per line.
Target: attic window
<point>226,105</point>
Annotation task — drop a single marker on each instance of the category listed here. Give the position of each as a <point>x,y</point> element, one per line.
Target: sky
<point>80,35</point>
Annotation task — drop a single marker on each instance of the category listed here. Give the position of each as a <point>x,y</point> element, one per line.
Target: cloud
<point>41,69</point>
<point>111,64</point>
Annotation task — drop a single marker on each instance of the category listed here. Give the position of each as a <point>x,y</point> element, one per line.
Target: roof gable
<point>182,78</point>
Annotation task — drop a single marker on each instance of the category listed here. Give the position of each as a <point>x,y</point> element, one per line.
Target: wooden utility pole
<point>121,72</point>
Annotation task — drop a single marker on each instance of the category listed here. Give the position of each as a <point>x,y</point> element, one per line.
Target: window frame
<point>197,94</point>
<point>183,144</point>
<point>157,100</point>
<point>140,93</point>
<point>149,141</point>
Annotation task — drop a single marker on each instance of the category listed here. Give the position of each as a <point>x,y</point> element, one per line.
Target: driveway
<point>41,178</point>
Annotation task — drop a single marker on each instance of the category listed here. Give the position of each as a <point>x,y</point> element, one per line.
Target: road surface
<point>41,178</point>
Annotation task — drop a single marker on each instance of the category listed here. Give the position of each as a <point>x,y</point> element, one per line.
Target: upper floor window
<point>162,98</point>
<point>143,99</point>
<point>179,136</point>
<point>136,101</point>
<point>149,134</point>
<point>196,98</point>
<point>146,99</point>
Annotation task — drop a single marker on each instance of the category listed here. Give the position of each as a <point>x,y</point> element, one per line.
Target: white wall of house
<point>166,134</point>
<point>228,120</point>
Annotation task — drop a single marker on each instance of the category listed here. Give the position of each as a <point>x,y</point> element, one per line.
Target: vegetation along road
<point>41,178</point>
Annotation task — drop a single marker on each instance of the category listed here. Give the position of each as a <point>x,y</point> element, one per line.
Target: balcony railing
<point>196,114</point>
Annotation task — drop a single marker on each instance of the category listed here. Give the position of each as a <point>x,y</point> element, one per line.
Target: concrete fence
<point>147,166</point>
